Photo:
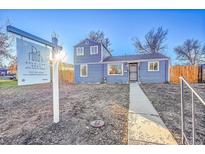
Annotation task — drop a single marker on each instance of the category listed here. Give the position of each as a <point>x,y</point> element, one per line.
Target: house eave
<point>124,61</point>
<point>140,60</point>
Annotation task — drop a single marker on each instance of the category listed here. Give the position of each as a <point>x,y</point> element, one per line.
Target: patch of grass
<point>5,83</point>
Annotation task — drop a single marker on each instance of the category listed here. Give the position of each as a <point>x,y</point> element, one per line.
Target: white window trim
<point>115,74</point>
<point>77,53</point>
<point>149,62</point>
<point>86,70</point>
<point>91,50</point>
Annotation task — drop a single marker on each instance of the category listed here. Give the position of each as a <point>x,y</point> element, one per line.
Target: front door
<point>133,71</point>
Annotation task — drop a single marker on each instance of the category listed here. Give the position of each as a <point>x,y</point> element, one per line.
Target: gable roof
<point>135,57</point>
<point>91,42</point>
<point>84,41</point>
<point>3,69</point>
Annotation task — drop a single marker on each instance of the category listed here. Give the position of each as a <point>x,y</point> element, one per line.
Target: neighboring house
<point>93,63</point>
<point>3,71</point>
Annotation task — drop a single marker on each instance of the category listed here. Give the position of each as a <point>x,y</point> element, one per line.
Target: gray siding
<point>95,74</point>
<point>87,57</point>
<point>160,76</point>
<point>123,79</point>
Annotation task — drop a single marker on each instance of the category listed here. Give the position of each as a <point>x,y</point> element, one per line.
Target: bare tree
<point>190,52</point>
<point>99,36</point>
<point>13,61</point>
<point>154,41</point>
<point>5,46</point>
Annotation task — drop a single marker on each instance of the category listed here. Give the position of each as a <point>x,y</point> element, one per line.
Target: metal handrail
<point>193,92</point>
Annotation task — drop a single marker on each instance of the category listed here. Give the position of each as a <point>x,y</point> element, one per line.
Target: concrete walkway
<point>144,124</point>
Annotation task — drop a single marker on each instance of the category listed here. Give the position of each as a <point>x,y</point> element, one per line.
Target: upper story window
<point>93,50</point>
<point>80,51</point>
<point>153,66</point>
<point>115,69</point>
<point>87,42</point>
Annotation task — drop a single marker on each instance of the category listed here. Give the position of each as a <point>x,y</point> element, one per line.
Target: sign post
<point>55,63</point>
<point>33,63</point>
<point>55,93</point>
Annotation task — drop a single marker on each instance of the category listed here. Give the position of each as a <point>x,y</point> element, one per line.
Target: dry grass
<point>26,114</point>
<point>166,100</point>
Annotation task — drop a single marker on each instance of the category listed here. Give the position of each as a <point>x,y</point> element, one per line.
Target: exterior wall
<point>3,72</point>
<point>112,79</point>
<point>160,76</point>
<point>95,74</point>
<point>87,57</point>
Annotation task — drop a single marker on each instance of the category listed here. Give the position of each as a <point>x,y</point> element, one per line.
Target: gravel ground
<point>166,100</point>
<point>26,114</point>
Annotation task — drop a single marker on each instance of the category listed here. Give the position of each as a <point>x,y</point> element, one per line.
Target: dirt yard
<point>26,114</point>
<point>166,100</point>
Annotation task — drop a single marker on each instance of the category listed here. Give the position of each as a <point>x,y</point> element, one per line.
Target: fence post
<point>182,110</point>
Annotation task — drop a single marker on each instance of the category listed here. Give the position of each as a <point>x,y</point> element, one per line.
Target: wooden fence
<point>190,73</point>
<point>66,74</point>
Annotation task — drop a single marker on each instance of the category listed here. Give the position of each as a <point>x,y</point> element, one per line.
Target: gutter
<point>131,61</point>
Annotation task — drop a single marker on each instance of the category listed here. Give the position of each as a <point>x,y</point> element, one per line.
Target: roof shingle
<point>135,57</point>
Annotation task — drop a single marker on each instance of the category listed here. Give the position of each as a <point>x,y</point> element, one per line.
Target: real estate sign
<point>33,62</point>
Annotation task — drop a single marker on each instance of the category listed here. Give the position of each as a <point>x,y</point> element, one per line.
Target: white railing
<point>193,93</point>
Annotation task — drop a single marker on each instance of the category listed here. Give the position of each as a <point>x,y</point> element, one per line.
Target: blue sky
<point>119,25</point>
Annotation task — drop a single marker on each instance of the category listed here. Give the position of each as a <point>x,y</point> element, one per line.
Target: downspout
<point>101,56</point>
<point>128,72</point>
<point>103,72</point>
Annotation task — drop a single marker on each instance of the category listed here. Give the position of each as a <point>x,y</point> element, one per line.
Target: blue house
<point>3,71</point>
<point>93,63</point>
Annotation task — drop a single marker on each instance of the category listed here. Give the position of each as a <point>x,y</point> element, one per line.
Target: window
<point>80,51</point>
<point>115,69</point>
<point>87,42</point>
<point>93,50</point>
<point>83,70</point>
<point>153,66</point>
